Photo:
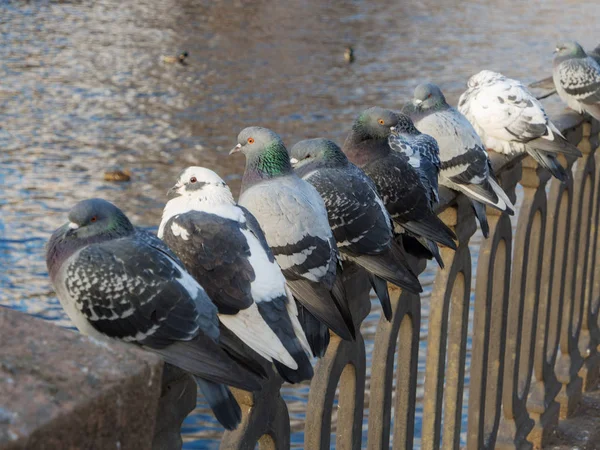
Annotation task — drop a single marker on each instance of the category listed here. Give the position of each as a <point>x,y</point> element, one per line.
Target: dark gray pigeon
<point>406,181</point>
<point>360,223</point>
<point>465,165</point>
<point>223,247</point>
<point>118,282</point>
<point>510,120</point>
<point>294,219</point>
<point>577,79</point>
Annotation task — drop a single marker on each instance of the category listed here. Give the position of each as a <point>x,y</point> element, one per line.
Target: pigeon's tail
<point>490,193</point>
<point>593,110</point>
<point>549,162</point>
<point>317,299</point>
<point>553,142</point>
<point>277,316</point>
<point>413,246</point>
<point>316,332</point>
<point>432,228</point>
<point>381,290</point>
<point>391,267</point>
<point>481,217</point>
<point>340,296</point>
<point>221,401</point>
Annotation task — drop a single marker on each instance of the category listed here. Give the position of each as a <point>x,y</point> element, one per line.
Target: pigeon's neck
<point>272,162</point>
<point>361,149</point>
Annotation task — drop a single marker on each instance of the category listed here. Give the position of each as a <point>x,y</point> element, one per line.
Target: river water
<point>83,90</point>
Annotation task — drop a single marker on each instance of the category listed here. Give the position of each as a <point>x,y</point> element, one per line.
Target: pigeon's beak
<point>69,229</point>
<point>236,149</point>
<point>293,161</point>
<point>393,128</point>
<point>172,193</point>
<point>417,102</point>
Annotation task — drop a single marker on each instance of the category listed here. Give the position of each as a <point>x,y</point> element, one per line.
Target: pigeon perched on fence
<point>406,181</point>
<point>577,79</point>
<point>465,165</point>
<point>294,219</point>
<point>360,223</point>
<point>223,247</point>
<point>510,120</point>
<point>116,281</point>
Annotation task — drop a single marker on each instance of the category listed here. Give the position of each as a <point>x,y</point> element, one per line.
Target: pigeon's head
<point>375,123</point>
<point>428,96</point>
<point>97,217</point>
<point>264,150</point>
<point>202,184</point>
<point>570,49</point>
<point>316,152</point>
<point>484,78</point>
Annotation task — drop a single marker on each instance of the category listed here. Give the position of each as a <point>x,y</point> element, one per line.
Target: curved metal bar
<point>489,325</point>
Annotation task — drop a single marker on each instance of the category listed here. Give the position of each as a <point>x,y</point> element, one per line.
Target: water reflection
<point>82,89</point>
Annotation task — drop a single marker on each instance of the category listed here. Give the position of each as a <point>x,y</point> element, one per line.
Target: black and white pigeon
<point>510,120</point>
<point>115,281</point>
<point>465,165</point>
<point>360,223</point>
<point>577,79</point>
<point>406,180</point>
<point>294,219</point>
<point>224,249</point>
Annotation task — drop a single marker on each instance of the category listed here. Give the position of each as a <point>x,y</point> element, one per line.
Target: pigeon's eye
<point>93,219</point>
<point>381,121</point>
<point>429,96</point>
<point>193,180</point>
<point>250,140</point>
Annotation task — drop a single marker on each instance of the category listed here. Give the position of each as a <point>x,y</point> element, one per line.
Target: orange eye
<point>193,180</point>
<point>250,140</point>
<point>381,121</point>
<point>93,219</point>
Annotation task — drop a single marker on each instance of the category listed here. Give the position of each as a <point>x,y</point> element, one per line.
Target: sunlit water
<point>82,90</point>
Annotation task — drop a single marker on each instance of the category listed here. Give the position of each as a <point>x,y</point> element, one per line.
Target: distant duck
<point>170,59</point>
<point>349,54</point>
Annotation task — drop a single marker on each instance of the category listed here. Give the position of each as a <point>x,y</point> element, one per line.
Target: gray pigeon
<point>118,282</point>
<point>510,120</point>
<point>577,79</point>
<point>465,165</point>
<point>405,179</point>
<point>360,223</point>
<point>294,220</point>
<point>224,249</point>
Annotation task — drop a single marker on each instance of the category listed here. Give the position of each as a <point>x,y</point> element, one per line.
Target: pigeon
<point>577,79</point>
<point>360,223</point>
<point>223,248</point>
<point>115,281</point>
<point>465,165</point>
<point>294,220</point>
<point>405,179</point>
<point>510,120</point>
<point>595,54</point>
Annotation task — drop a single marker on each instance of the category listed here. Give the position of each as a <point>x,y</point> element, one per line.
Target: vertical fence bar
<point>442,401</point>
<point>569,358</point>
<point>589,338</point>
<point>542,407</point>
<point>403,329</point>
<point>515,423</point>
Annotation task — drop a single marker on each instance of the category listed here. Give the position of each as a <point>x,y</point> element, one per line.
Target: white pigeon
<point>224,248</point>
<point>510,120</point>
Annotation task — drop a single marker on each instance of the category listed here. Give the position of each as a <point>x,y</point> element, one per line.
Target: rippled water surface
<point>83,90</point>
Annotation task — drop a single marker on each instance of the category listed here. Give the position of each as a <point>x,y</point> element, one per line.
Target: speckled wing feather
<point>216,253</point>
<point>580,79</point>
<point>134,289</point>
<point>358,218</point>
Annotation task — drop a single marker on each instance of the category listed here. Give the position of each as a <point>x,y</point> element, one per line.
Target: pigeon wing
<point>215,251</point>
<point>580,78</point>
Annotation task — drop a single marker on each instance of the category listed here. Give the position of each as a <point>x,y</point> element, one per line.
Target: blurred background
<point>84,90</point>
